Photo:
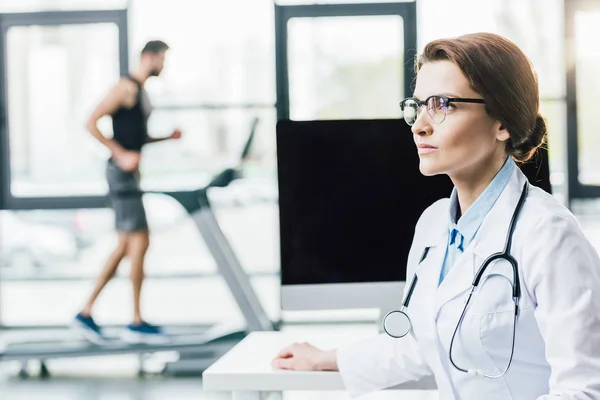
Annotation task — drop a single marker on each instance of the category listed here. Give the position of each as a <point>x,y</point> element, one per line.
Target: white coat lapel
<point>431,250</point>
<point>457,281</point>
<point>429,269</point>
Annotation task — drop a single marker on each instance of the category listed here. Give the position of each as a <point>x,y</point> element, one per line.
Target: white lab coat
<point>557,348</point>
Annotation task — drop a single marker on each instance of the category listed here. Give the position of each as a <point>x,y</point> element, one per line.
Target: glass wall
<point>540,35</point>
<point>50,259</point>
<point>219,75</point>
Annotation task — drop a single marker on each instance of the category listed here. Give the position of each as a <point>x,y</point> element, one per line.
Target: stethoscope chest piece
<point>396,324</point>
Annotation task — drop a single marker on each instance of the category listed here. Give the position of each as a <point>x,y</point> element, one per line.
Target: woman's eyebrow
<point>445,94</point>
<point>448,94</point>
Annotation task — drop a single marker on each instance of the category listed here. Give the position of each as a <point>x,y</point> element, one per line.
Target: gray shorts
<point>125,198</point>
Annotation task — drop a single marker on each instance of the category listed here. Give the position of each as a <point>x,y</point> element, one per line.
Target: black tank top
<point>130,125</point>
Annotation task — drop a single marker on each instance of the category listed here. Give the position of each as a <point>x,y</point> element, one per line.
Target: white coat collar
<point>435,233</point>
<point>490,239</point>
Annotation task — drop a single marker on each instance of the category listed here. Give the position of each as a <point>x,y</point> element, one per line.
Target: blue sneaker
<point>144,333</point>
<point>90,330</point>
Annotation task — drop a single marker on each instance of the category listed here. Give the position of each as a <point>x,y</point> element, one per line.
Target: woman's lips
<point>426,148</point>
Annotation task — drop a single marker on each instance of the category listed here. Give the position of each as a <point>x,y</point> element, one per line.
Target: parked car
<point>25,243</point>
<point>86,225</point>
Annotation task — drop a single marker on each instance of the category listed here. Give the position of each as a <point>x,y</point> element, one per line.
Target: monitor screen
<point>350,195</point>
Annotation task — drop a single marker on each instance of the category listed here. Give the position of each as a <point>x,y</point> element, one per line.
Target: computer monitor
<point>350,195</point>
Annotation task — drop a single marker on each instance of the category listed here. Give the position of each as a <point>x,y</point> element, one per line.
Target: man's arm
<point>156,140</point>
<point>176,134</point>
<point>121,95</point>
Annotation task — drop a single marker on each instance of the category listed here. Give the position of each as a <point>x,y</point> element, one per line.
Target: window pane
<point>221,51</point>
<point>68,69</point>
<point>345,67</point>
<point>211,140</point>
<point>587,88</point>
<point>556,118</point>
<point>539,34</point>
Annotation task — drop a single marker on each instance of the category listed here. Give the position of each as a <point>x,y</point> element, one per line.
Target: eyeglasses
<point>437,107</point>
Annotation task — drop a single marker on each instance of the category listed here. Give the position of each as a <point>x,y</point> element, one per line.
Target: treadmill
<point>197,350</point>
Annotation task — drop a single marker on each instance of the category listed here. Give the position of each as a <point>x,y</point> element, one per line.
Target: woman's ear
<point>502,133</point>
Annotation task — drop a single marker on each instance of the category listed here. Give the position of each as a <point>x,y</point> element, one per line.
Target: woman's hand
<point>305,357</point>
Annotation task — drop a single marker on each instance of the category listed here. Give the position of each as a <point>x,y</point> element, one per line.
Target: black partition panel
<point>350,194</point>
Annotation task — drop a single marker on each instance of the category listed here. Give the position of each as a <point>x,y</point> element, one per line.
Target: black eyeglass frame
<point>447,101</point>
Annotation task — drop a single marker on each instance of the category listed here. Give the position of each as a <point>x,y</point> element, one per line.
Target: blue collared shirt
<point>462,232</point>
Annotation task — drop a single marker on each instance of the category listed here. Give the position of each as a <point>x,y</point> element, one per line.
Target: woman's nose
<point>422,125</point>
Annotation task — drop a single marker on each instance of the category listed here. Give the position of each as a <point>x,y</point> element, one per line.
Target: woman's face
<point>467,139</point>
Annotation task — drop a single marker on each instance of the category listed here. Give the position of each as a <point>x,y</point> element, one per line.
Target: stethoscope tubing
<point>516,295</point>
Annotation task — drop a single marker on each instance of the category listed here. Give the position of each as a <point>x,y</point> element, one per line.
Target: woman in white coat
<point>475,111</point>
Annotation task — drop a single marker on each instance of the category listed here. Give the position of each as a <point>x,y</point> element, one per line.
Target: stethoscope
<point>397,323</point>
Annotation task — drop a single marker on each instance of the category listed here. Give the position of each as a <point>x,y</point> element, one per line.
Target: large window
<point>345,67</point>
<point>343,61</point>
<point>539,34</point>
<point>587,89</point>
<point>57,67</point>
<point>219,76</point>
<point>583,59</point>
<point>55,76</point>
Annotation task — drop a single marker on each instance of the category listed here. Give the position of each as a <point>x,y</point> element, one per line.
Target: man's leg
<point>137,245</point>
<point>84,321</point>
<point>108,272</point>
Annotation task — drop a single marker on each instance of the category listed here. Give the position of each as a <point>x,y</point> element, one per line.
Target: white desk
<point>246,370</point>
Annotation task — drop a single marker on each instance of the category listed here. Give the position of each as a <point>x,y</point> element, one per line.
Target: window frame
<point>49,18</point>
<point>406,10</point>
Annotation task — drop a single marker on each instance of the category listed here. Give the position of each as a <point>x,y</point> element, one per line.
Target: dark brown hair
<point>503,75</point>
<point>155,47</point>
